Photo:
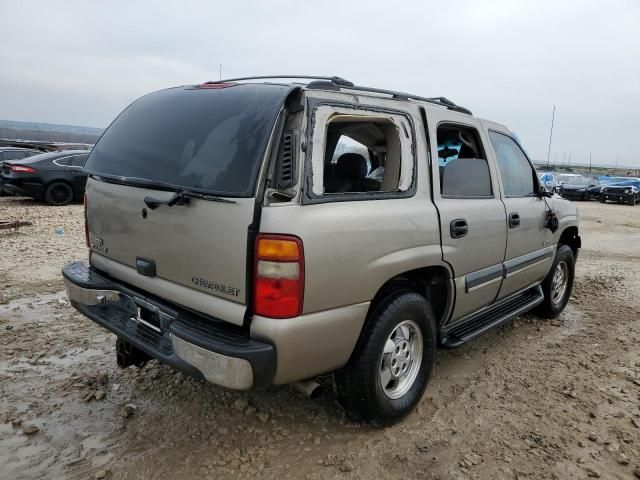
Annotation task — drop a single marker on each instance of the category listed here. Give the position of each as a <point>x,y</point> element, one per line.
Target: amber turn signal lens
<point>277,249</point>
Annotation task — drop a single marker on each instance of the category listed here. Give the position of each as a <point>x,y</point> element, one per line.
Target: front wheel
<point>632,201</point>
<point>558,284</point>
<point>392,363</point>
<point>602,199</point>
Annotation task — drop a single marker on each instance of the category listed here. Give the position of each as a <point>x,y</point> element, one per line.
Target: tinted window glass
<point>78,161</point>
<point>13,155</point>
<point>209,139</point>
<point>515,169</point>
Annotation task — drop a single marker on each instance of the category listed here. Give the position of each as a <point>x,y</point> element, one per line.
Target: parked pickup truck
<point>271,230</point>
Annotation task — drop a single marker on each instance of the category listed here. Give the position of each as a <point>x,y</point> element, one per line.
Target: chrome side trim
<point>516,265</point>
<point>482,278</point>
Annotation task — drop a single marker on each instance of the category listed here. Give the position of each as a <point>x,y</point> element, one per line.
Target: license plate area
<point>151,317</point>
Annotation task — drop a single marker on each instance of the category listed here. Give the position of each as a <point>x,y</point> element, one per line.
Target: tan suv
<point>268,230</point>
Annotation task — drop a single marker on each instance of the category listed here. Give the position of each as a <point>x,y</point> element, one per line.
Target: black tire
<point>632,201</point>
<point>602,199</point>
<point>358,385</point>
<point>550,308</point>
<point>58,194</point>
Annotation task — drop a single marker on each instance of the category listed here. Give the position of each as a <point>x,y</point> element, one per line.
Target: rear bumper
<point>21,188</point>
<point>203,347</point>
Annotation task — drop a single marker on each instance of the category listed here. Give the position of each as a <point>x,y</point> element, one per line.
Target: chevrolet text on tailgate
<point>270,230</point>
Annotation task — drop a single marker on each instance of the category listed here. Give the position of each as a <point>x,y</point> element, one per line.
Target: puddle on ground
<point>44,363</point>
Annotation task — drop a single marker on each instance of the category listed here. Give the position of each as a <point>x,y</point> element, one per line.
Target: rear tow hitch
<point>129,355</point>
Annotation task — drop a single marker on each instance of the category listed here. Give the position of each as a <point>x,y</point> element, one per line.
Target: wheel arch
<point>571,238</point>
<point>434,282</point>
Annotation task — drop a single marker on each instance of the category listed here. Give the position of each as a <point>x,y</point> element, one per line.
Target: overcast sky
<point>82,62</point>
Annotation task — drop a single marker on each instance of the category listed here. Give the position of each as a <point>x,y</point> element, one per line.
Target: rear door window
<point>464,171</point>
<point>199,138</point>
<point>78,160</point>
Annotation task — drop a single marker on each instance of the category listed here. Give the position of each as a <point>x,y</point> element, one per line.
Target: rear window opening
<point>362,155</point>
<point>210,139</point>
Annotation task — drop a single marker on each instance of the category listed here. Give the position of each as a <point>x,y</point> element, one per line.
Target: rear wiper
<point>183,197</point>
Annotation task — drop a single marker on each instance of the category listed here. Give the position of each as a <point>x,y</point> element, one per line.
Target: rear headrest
<point>351,165</point>
<point>466,177</point>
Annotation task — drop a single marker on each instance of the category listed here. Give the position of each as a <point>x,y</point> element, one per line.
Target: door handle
<point>514,220</point>
<point>458,228</point>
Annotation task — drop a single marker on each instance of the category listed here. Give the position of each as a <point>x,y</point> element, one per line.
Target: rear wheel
<point>392,364</point>
<point>58,193</point>
<point>558,284</point>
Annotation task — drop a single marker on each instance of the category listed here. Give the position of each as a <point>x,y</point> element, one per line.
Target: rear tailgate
<point>199,250</point>
<point>206,140</point>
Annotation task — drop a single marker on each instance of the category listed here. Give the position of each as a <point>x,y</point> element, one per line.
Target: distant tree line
<point>15,134</point>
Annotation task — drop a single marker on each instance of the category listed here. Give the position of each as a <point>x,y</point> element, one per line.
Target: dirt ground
<point>534,399</point>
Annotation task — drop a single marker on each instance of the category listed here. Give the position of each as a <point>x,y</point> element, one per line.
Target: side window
<point>464,171</point>
<point>362,155</point>
<point>516,171</point>
<point>78,160</point>
<point>13,155</point>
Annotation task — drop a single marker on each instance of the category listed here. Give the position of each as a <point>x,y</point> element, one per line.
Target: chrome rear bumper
<point>203,347</point>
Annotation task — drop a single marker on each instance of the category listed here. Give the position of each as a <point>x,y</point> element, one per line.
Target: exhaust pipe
<point>309,388</point>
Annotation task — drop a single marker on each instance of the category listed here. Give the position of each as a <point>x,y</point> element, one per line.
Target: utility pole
<point>220,72</point>
<point>555,160</point>
<point>569,160</point>
<point>589,163</point>
<point>553,116</point>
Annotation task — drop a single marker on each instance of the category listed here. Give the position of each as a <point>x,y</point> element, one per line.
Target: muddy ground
<point>535,399</point>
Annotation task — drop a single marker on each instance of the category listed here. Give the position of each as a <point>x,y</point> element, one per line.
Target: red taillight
<point>21,169</point>
<point>279,276</point>
<point>86,224</point>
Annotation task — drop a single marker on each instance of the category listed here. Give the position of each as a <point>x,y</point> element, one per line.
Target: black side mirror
<point>544,192</point>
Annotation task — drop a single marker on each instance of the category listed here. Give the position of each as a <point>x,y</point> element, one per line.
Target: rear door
<point>530,250</point>
<point>206,140</point>
<point>472,215</point>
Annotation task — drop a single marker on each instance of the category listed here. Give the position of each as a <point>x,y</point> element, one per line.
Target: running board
<point>462,331</point>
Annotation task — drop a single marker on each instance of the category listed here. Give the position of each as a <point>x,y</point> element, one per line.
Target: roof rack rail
<point>339,82</point>
<point>442,101</point>
<point>335,80</point>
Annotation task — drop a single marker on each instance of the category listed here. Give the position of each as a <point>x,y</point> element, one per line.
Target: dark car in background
<point>58,178</point>
<point>627,191</point>
<point>604,181</point>
<point>577,188</point>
